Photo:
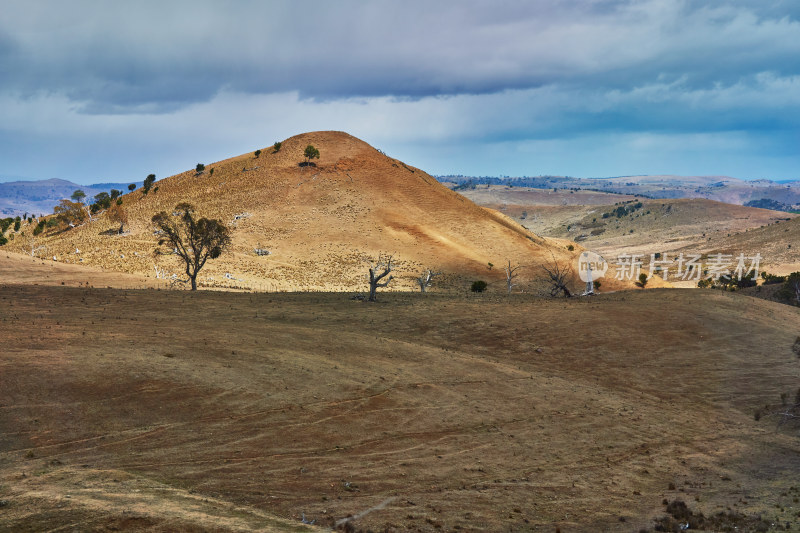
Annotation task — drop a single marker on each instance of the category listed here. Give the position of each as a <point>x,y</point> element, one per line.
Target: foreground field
<point>161,411</point>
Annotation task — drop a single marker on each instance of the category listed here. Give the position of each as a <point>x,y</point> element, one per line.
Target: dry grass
<point>154,410</point>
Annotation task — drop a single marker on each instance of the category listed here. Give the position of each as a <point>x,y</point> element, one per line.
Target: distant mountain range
<point>39,197</point>
<point>771,194</point>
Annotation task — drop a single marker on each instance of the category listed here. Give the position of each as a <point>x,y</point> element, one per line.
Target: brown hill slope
<point>778,243</point>
<point>319,222</point>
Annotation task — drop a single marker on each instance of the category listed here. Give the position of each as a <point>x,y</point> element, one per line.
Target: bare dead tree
<point>424,280</point>
<point>511,275</point>
<point>36,249</point>
<point>557,277</point>
<point>377,271</point>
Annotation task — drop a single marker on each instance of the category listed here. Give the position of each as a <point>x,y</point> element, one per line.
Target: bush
<point>3,240</point>
<point>277,146</point>
<point>132,187</point>
<point>257,153</point>
<point>570,247</point>
<point>200,167</point>
<point>478,286</point>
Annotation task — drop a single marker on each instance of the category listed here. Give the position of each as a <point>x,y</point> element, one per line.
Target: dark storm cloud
<point>194,76</point>
<point>146,55</point>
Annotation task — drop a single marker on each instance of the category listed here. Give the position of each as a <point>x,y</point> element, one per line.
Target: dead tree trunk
<point>511,274</point>
<point>378,271</point>
<point>424,279</point>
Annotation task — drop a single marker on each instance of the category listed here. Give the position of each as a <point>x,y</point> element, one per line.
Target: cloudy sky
<point>111,91</point>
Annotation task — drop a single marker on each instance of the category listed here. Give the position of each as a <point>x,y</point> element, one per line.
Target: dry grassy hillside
<point>656,226</point>
<point>778,243</point>
<point>319,222</point>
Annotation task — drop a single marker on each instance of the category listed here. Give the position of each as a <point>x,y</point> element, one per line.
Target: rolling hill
<point>38,197</point>
<point>319,222</point>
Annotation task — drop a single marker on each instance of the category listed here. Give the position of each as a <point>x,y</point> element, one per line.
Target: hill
<point>319,222</point>
<point>216,411</point>
<point>596,220</point>
<point>778,243</point>
<point>38,197</point>
<point>718,188</point>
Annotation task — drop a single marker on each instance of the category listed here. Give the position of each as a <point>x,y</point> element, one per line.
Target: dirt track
<point>171,410</point>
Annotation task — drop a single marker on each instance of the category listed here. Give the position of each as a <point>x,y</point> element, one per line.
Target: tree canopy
<point>194,240</point>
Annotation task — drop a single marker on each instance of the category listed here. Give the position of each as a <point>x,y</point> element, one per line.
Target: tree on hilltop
<point>310,153</point>
<point>194,240</point>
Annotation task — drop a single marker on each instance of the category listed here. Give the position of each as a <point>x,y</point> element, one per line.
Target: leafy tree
<point>78,196</point>
<point>194,240</point>
<point>310,153</point>
<point>17,224</point>
<point>3,240</point>
<point>277,146</point>
<point>115,194</point>
<point>102,200</point>
<point>116,213</point>
<point>132,187</point>
<point>69,213</point>
<point>200,168</point>
<point>642,280</point>
<point>257,153</point>
<point>148,182</point>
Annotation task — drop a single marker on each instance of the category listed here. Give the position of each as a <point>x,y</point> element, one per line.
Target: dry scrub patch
<point>174,410</point>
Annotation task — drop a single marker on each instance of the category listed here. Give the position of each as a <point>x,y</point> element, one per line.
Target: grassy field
<point>165,410</point>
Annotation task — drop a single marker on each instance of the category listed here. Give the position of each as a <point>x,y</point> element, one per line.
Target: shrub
<point>478,286</point>
<point>200,167</point>
<point>570,247</point>
<point>132,187</point>
<point>17,224</point>
<point>257,153</point>
<point>277,146</point>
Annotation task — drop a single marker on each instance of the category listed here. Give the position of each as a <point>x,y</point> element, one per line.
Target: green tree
<point>148,182</point>
<point>102,200</point>
<point>115,194</point>
<point>642,280</point>
<point>257,153</point>
<point>78,196</point>
<point>310,153</point>
<point>199,168</point>
<point>194,240</point>
<point>277,146</point>
<point>132,187</point>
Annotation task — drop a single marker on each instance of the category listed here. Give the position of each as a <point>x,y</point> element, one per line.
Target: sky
<point>101,91</point>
